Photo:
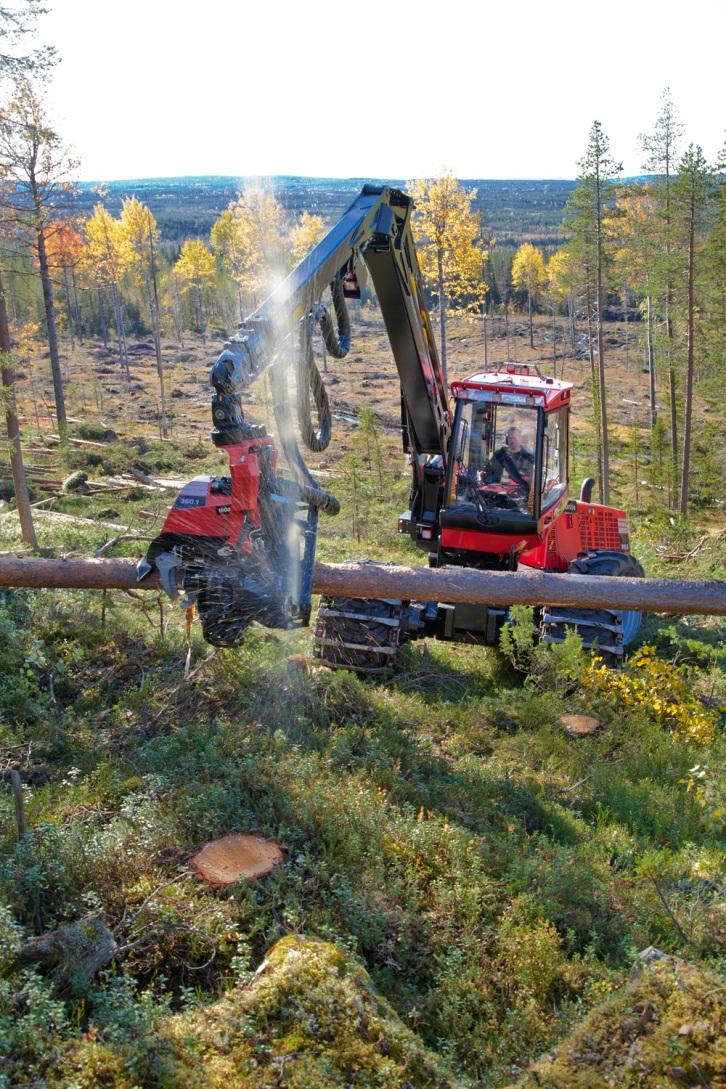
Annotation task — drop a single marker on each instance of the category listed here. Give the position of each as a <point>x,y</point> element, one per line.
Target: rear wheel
<point>606,631</point>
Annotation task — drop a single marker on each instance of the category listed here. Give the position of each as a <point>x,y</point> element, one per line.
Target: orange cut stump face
<point>235,858</point>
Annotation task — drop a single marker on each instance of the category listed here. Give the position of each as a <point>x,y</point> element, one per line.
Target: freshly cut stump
<point>580,725</point>
<point>234,858</point>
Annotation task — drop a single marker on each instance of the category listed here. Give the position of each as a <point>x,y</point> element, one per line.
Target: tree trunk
<point>102,317</point>
<point>69,306</point>
<point>442,312</point>
<point>486,337</point>
<point>651,367</point>
<point>120,330</point>
<point>554,339</point>
<point>688,409</point>
<point>156,328</point>
<point>604,443</point>
<point>672,393</point>
<point>573,323</point>
<point>529,309</point>
<point>77,306</point>
<point>55,367</point>
<point>13,429</point>
<point>373,580</point>
<point>595,391</point>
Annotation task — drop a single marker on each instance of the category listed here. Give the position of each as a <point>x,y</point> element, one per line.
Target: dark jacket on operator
<point>505,459</point>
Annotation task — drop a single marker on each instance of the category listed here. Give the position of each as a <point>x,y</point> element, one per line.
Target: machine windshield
<point>494,459</point>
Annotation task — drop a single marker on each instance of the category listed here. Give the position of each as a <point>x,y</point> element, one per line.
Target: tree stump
<point>235,858</point>
<point>580,725</point>
<point>74,953</point>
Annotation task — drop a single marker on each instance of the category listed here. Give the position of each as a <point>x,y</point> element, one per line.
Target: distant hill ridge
<point>514,209</point>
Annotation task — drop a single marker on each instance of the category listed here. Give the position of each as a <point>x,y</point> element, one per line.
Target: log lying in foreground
<point>453,584</point>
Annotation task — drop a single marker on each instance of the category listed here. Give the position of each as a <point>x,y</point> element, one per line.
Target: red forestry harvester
<point>489,466</point>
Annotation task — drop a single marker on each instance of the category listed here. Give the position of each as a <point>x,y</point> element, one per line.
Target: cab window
<point>554,457</point>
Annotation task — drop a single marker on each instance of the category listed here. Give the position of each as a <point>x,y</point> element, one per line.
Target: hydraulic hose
<point>288,442</point>
<point>337,343</point>
<point>309,381</point>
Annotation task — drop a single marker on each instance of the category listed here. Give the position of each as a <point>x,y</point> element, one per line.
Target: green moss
<point>310,1017</point>
<point>666,1028</point>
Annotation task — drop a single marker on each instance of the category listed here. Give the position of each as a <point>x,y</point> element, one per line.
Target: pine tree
<point>693,195</point>
<point>587,211</point>
<point>35,169</point>
<point>661,148</point>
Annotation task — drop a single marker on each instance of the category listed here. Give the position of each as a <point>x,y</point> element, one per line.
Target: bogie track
<point>358,634</point>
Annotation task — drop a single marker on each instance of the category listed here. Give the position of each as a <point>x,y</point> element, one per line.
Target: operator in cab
<point>513,459</point>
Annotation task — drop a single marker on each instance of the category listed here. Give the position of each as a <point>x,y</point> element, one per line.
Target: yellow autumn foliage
<point>660,690</point>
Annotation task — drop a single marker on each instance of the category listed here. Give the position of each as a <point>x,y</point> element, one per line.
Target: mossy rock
<point>310,1019</point>
<point>665,1029</point>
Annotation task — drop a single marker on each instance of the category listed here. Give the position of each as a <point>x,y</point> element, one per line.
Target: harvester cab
<point>506,477</point>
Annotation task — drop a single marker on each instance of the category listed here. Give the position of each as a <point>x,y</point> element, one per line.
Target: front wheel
<point>606,631</point>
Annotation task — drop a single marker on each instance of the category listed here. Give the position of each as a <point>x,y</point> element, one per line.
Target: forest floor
<point>478,882</point>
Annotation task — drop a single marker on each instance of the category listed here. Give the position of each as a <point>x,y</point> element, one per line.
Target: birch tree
<point>250,242</point>
<point>109,256</point>
<point>195,272</point>
<point>528,274</point>
<point>142,237</point>
<point>448,234</point>
<point>306,234</point>
<point>65,253</point>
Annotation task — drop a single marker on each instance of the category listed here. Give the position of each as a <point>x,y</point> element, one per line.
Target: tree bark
<point>529,309</point>
<point>453,584</point>
<point>672,393</point>
<point>12,425</point>
<point>55,367</point>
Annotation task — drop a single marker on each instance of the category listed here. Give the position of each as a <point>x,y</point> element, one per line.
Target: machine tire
<point>606,631</point>
<point>358,634</point>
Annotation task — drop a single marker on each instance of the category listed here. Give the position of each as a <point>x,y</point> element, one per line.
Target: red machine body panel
<point>570,530</point>
<point>517,378</point>
<point>217,506</point>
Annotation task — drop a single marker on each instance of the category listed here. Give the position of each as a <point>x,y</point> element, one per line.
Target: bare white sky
<point>377,88</point>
